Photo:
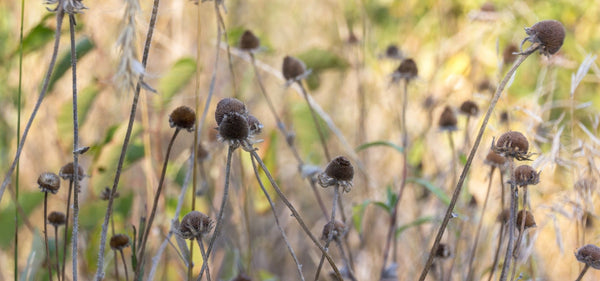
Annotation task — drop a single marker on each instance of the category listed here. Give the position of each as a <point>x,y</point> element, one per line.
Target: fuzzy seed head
<point>338,228</point>
<point>407,70</point>
<point>194,225</point>
<point>57,218</point>
<point>49,182</point>
<point>448,120</point>
<point>183,117</point>
<point>228,106</point>
<point>443,251</point>
<point>67,172</point>
<point>512,144</point>
<point>529,220</point>
<point>119,242</point>
<point>234,127</point>
<point>255,125</point>
<point>526,175</point>
<point>249,41</point>
<point>469,108</point>
<point>292,68</point>
<point>550,34</point>
<point>590,255</point>
<point>339,171</point>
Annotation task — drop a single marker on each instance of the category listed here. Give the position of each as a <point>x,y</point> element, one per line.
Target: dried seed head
<point>201,153</point>
<point>504,117</point>
<point>443,251</point>
<point>234,128</point>
<point>488,7</point>
<point>469,108</point>
<point>339,171</point>
<point>392,52</point>
<point>194,225</point>
<point>119,241</point>
<point>508,55</point>
<point>57,218</point>
<point>550,34</point>
<point>503,216</point>
<point>249,41</point>
<point>495,159</point>
<point>339,230</point>
<point>512,144</point>
<point>228,106</point>
<point>486,86</point>
<point>526,175</point>
<point>49,182</point>
<point>183,117</point>
<point>529,220</point>
<point>590,255</point>
<point>293,68</point>
<point>105,194</point>
<point>447,120</point>
<point>255,125</point>
<point>67,172</point>
<point>407,70</point>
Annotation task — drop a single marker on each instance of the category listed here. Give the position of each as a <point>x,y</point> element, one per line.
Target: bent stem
<point>465,170</point>
<point>287,243</point>
<point>49,263</point>
<point>336,194</point>
<point>585,268</point>
<point>497,254</point>
<point>316,120</point>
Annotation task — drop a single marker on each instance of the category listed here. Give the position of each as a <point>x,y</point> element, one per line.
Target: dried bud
<point>448,120</point>
<point>504,117</point>
<point>183,117</point>
<point>228,106</point>
<point>550,34</point>
<point>57,218</point>
<point>339,171</point>
<point>495,159</point>
<point>508,55</point>
<point>469,108</point>
<point>234,128</point>
<point>392,52</point>
<point>119,242</point>
<point>526,175</point>
<point>255,125</point>
<point>49,182</point>
<point>67,172</point>
<point>339,230</point>
<point>486,86</point>
<point>293,68</point>
<point>443,251</point>
<point>512,144</point>
<point>503,216</point>
<point>249,41</point>
<point>194,225</point>
<point>407,70</point>
<point>105,194</point>
<point>590,255</point>
<point>529,220</point>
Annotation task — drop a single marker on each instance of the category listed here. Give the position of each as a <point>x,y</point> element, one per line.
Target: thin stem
<point>19,93</point>
<point>203,253</point>
<point>116,265</point>
<point>336,194</point>
<point>511,232</point>
<point>56,252</point>
<point>191,261</point>
<point>287,243</point>
<point>49,262</point>
<point>465,170</point>
<point>124,264</point>
<point>471,273</point>
<point>221,22</point>
<point>497,253</point>
<point>316,120</point>
<point>585,268</point>
<point>64,260</point>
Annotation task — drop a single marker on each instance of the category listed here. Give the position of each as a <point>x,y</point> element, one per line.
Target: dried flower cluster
<point>235,125</point>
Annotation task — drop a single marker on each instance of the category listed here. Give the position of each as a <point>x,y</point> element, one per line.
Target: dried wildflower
<point>69,6</point>
<point>119,241</point>
<point>293,69</point>
<point>255,125</point>
<point>234,130</point>
<point>57,218</point>
<point>339,171</point>
<point>529,220</point>
<point>496,160</point>
<point>339,230</point>
<point>526,175</point>
<point>549,34</point>
<point>49,182</point>
<point>448,120</point>
<point>67,172</point>
<point>228,106</point>
<point>249,42</point>
<point>469,108</point>
<point>407,70</point>
<point>194,225</point>
<point>503,216</point>
<point>504,117</point>
<point>512,144</point>
<point>508,55</point>
<point>201,153</point>
<point>183,117</point>
<point>392,52</point>
<point>590,255</point>
<point>443,251</point>
<point>105,194</point>
<point>486,86</point>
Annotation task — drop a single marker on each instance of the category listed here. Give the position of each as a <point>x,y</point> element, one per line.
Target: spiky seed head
<point>590,255</point>
<point>503,216</point>
<point>407,70</point>
<point>508,55</point>
<point>49,182</point>
<point>550,34</point>
<point>57,218</point>
<point>234,127</point>
<point>495,159</point>
<point>105,194</point>
<point>292,68</point>
<point>338,228</point>
<point>183,117</point>
<point>448,119</point>
<point>526,175</point>
<point>469,108</point>
<point>529,219</point>
<point>194,225</point>
<point>67,172</point>
<point>249,41</point>
<point>443,251</point>
<point>513,144</point>
<point>255,125</point>
<point>119,242</point>
<point>228,106</point>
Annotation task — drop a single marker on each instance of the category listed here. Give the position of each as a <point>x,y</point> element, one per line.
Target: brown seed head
<point>513,144</point>
<point>469,108</point>
<point>293,68</point>
<point>448,119</point>
<point>590,255</point>
<point>119,241</point>
<point>407,70</point>
<point>234,127</point>
<point>529,220</point>
<point>508,55</point>
<point>183,117</point>
<point>255,125</point>
<point>249,41</point>
<point>503,216</point>
<point>49,182</point>
<point>228,106</point>
<point>105,194</point>
<point>488,7</point>
<point>194,225</point>
<point>526,175</point>
<point>393,52</point>
<point>495,159</point>
<point>550,34</point>
<point>57,218</point>
<point>67,172</point>
<point>443,251</point>
<point>504,117</point>
<point>339,230</point>
<point>339,171</point>
<point>486,86</point>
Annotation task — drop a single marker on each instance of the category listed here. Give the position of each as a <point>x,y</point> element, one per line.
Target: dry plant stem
<point>296,214</point>
<point>64,260</point>
<point>59,18</point>
<point>203,253</point>
<point>345,237</point>
<point>152,23</point>
<point>515,251</point>
<point>287,243</point>
<point>336,194</point>
<point>148,227</point>
<point>124,264</point>
<point>511,232</point>
<point>221,212</point>
<point>316,120</point>
<point>116,265</point>
<point>585,268</point>
<point>463,175</point>
<point>221,22</point>
<point>19,94</point>
<point>497,253</point>
<point>471,273</point>
<point>56,252</point>
<point>49,263</point>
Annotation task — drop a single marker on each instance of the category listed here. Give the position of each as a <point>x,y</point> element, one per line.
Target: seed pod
<point>550,34</point>
<point>526,175</point>
<point>513,144</point>
<point>339,230</point>
<point>49,182</point>
<point>67,172</point>
<point>249,41</point>
<point>195,224</point>
<point>183,117</point>
<point>227,106</point>
<point>407,70</point>
<point>503,216</point>
<point>292,68</point>
<point>339,171</point>
<point>447,120</point>
<point>590,255</point>
<point>119,241</point>
<point>529,220</point>
<point>469,108</point>
<point>57,218</point>
<point>255,125</point>
<point>495,159</point>
<point>443,251</point>
<point>234,127</point>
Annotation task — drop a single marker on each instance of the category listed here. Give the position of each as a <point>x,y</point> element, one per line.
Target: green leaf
<point>29,201</point>
<point>379,143</point>
<point>38,37</point>
<point>319,60</point>
<point>83,46</point>
<point>417,222</point>
<point>383,205</point>
<point>85,99</point>
<point>358,213</point>
<point>176,78</point>
<point>439,193</point>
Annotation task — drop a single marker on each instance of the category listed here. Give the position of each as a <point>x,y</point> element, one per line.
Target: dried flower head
<point>503,216</point>
<point>512,144</point>
<point>590,255</point>
<point>407,70</point>
<point>496,160</point>
<point>469,108</point>
<point>105,194</point>
<point>508,55</point>
<point>526,175</point>
<point>119,241</point>
<point>183,117</point>
<point>443,251</point>
<point>549,34</point>
<point>234,130</point>
<point>49,182</point>
<point>194,225</point>
<point>529,220</point>
<point>392,52</point>
<point>249,41</point>
<point>486,86</point>
<point>293,69</point>
<point>57,218</point>
<point>339,171</point>
<point>67,172</point>
<point>337,230</point>
<point>201,153</point>
<point>255,125</point>
<point>228,106</point>
<point>448,120</point>
<point>69,6</point>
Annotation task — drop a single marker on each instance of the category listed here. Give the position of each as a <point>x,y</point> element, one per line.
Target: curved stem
<point>336,194</point>
<point>49,261</point>
<point>56,252</point>
<point>582,272</point>
<point>316,120</point>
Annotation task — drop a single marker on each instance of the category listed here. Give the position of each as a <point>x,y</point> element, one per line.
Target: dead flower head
<point>590,255</point>
<point>512,144</point>
<point>338,172</point>
<point>194,225</point>
<point>549,34</point>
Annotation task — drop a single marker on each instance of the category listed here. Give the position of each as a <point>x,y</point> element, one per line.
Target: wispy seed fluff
<point>339,171</point>
<point>129,68</point>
